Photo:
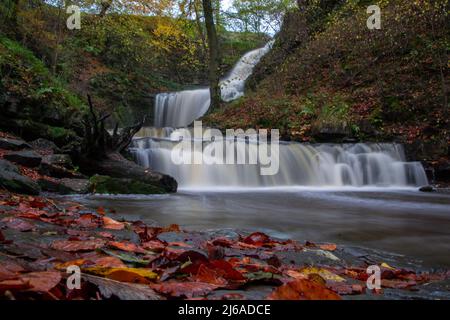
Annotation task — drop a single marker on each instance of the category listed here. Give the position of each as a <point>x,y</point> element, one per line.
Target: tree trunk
<point>214,55</point>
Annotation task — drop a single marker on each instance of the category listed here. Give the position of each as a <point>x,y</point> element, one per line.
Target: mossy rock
<point>109,185</point>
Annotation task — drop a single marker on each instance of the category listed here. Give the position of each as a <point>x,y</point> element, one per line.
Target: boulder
<point>13,144</point>
<point>108,185</point>
<point>44,144</point>
<point>65,186</point>
<point>25,158</point>
<point>78,186</point>
<point>63,160</point>
<point>13,181</point>
<point>427,189</point>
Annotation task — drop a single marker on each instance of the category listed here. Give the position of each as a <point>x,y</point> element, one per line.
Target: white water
<point>300,165</point>
<point>322,165</point>
<point>180,109</point>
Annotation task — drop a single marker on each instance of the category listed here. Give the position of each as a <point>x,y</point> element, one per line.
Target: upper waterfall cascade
<point>180,109</point>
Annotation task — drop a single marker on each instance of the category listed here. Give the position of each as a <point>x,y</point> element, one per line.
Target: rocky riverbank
<point>40,166</point>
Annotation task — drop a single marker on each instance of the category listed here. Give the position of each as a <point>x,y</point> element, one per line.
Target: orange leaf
<point>101,211</point>
<point>126,246</point>
<point>303,290</point>
<point>112,224</point>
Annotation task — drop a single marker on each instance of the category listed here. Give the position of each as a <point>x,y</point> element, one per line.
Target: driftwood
<point>101,152</point>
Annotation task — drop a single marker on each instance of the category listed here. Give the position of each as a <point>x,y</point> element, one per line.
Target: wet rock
<point>427,189</point>
<point>12,180</point>
<point>26,158</point>
<point>63,160</point>
<point>13,144</point>
<point>59,172</point>
<point>45,144</point>
<point>331,132</point>
<point>65,186</point>
<point>78,186</point>
<point>108,185</point>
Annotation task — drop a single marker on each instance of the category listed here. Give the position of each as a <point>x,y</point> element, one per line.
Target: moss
<point>108,185</point>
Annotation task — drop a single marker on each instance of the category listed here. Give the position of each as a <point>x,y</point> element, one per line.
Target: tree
<point>258,15</point>
<point>214,54</point>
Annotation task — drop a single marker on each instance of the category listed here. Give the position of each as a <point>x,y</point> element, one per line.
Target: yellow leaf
<point>135,275</point>
<point>327,275</point>
<point>385,265</point>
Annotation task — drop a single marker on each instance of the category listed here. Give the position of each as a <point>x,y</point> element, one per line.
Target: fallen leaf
<point>257,239</point>
<point>75,246</point>
<point>133,275</point>
<point>327,275</point>
<point>101,211</point>
<point>126,246</point>
<point>183,289</point>
<point>112,224</point>
<point>124,291</point>
<point>328,246</point>
<point>13,285</point>
<point>42,281</point>
<point>303,290</point>
<point>208,275</point>
<point>18,224</point>
<point>37,204</point>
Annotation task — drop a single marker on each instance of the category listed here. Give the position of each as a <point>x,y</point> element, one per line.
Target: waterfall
<point>309,165</point>
<point>180,109</point>
<point>320,165</point>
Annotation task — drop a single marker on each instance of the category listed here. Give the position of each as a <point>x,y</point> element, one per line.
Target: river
<point>401,222</point>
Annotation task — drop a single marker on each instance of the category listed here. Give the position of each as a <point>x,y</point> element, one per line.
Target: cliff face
<point>330,78</point>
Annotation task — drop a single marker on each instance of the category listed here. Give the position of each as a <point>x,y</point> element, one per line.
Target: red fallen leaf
<point>112,224</point>
<point>126,246</point>
<point>42,281</point>
<point>14,285</point>
<point>37,204</point>
<point>222,242</point>
<point>154,245</point>
<point>2,237</point>
<point>227,270</point>
<point>88,220</point>
<point>207,275</point>
<point>147,233</point>
<point>106,235</point>
<point>257,239</point>
<point>18,224</point>
<point>6,274</point>
<point>328,246</point>
<point>75,246</point>
<point>101,211</point>
<point>303,290</point>
<point>183,289</point>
